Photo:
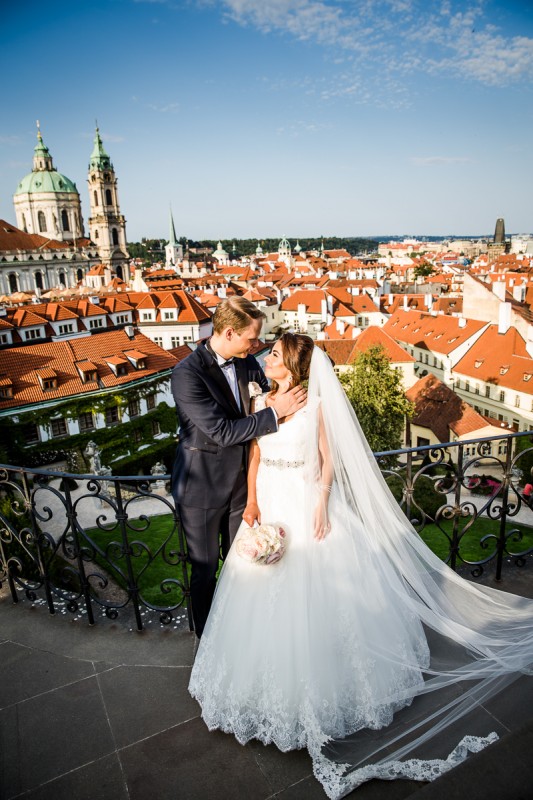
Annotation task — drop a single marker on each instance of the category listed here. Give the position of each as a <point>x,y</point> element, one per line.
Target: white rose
<point>254,390</point>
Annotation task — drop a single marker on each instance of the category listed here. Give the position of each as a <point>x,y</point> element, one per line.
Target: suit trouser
<point>207,532</point>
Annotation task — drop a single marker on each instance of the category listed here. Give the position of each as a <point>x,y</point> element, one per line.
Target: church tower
<point>107,226</point>
<point>173,250</point>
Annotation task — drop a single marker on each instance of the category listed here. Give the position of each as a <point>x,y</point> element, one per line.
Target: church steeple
<point>99,157</point>
<point>173,250</point>
<point>107,226</point>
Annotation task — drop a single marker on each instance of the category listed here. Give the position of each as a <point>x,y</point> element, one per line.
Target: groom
<point>211,392</point>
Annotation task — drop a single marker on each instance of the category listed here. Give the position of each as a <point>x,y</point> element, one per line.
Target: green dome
<point>45,181</point>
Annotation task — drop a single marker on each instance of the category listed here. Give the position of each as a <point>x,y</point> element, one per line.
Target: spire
<point>42,160</point>
<point>99,158</point>
<point>172,238</point>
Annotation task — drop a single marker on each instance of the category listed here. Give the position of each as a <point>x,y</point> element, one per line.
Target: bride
<point>359,644</point>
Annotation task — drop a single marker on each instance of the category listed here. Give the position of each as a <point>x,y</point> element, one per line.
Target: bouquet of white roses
<point>263,544</point>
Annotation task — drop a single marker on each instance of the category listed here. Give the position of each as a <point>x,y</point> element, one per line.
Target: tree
<point>423,270</point>
<point>375,392</point>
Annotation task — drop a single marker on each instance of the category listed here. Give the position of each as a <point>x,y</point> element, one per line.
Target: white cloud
<point>398,36</point>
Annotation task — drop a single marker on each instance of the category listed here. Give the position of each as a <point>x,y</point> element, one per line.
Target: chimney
<point>405,303</point>
<point>462,322</point>
<point>323,309</point>
<point>504,317</point>
<point>340,326</point>
<point>498,288</point>
<point>519,293</point>
<point>130,333</point>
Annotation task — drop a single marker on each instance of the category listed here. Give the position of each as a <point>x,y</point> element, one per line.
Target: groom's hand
<point>251,513</point>
<point>289,402</point>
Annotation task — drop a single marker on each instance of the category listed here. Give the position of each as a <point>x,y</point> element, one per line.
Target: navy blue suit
<point>209,473</point>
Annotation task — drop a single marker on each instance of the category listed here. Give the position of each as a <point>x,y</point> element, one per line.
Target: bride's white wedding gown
<point>299,651</point>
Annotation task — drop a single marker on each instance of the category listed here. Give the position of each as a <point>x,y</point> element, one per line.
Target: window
<point>86,421</point>
<point>38,280</point>
<point>434,361</point>
<point>42,221</point>
<point>6,392</point>
<point>487,391</point>
<point>457,384</point>
<point>146,316</point>
<point>95,196</point>
<point>477,388</point>
<point>112,415</point>
<point>158,340</point>
<point>64,220</point>
<point>517,401</point>
<point>62,279</point>
<point>150,401</point>
<point>467,386</point>
<point>122,369</point>
<point>421,441</point>
<point>33,333</point>
<point>96,234</point>
<point>58,427</point>
<point>137,436</point>
<point>89,375</point>
<point>114,233</point>
<point>134,408</point>
<point>4,338</point>
<point>108,197</point>
<point>96,323</point>
<point>30,432</point>
<point>168,315</point>
<point>68,327</point>
<point>502,397</point>
<point>156,427</point>
<point>49,383</point>
<point>174,341</point>
<point>122,319</point>
<point>426,358</point>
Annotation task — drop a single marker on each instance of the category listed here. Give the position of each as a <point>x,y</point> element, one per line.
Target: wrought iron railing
<point>105,544</point>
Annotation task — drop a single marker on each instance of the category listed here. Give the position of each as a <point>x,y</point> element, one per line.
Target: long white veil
<point>480,639</point>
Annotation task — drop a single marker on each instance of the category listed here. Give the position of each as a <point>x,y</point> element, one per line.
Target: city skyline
<point>300,117</point>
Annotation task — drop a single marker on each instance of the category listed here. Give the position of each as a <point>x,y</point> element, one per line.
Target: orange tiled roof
<point>311,298</point>
<point>60,359</point>
<point>440,333</point>
<point>501,359</point>
<point>440,410</point>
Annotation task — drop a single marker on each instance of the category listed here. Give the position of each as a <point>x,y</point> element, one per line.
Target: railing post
<point>133,588</point>
<point>502,539</point>
<point>455,543</point>
<point>73,525</point>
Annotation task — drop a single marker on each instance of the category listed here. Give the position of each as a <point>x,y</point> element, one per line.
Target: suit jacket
<point>214,432</point>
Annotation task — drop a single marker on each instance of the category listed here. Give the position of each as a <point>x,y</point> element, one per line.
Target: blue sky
<point>258,118</point>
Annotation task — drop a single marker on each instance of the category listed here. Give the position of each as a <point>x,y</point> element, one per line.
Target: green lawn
<point>150,569</point>
<point>470,548</point>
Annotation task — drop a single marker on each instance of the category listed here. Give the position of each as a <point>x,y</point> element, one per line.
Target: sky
<point>298,118</point>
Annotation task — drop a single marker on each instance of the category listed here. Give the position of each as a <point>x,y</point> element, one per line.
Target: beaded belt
<point>280,463</point>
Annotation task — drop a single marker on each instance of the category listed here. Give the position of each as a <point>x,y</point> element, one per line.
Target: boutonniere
<point>254,390</point>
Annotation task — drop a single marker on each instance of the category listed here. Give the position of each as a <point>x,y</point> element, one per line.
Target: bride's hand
<point>251,513</point>
<point>322,524</point>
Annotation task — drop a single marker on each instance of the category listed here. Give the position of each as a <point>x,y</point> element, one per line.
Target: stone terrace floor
<point>103,713</point>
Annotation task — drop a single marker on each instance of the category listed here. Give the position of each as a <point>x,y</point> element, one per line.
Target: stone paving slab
<point>103,713</point>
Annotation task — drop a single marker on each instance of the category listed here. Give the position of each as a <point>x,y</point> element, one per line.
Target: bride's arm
<point>251,513</point>
<point>322,525</point>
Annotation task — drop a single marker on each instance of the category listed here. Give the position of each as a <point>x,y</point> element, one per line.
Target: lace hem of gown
<point>337,779</point>
<point>337,783</point>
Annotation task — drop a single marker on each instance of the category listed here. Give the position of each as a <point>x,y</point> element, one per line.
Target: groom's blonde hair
<point>237,313</point>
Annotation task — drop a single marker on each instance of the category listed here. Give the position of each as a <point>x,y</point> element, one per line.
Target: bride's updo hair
<point>297,351</point>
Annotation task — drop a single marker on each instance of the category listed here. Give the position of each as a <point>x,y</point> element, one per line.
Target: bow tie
<point>228,362</point>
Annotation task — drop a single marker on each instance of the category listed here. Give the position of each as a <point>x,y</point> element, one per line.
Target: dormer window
<point>504,369</point>
<point>453,339</point>
<point>527,376</point>
<point>88,371</point>
<point>118,365</point>
<point>478,363</point>
<point>6,388</point>
<point>47,378</point>
<point>137,358</point>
